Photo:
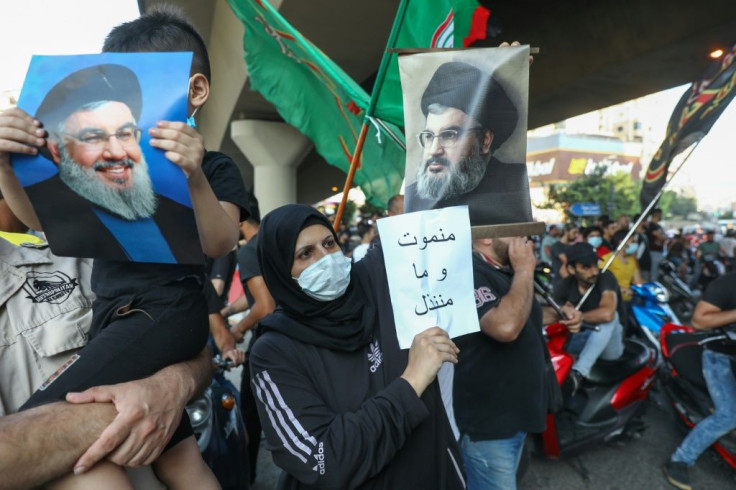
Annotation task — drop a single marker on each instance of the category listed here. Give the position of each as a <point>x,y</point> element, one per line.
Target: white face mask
<point>595,241</point>
<point>326,279</point>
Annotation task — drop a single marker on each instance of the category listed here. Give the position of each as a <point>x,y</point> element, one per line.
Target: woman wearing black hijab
<point>342,406</point>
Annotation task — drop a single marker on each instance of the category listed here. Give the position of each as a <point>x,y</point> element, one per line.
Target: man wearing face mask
<point>594,236</point>
<point>608,228</point>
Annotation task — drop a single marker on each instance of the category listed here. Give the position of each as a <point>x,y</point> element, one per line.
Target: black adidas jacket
<point>342,420</point>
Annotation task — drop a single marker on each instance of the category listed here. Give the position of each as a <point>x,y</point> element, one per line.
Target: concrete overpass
<point>593,54</point>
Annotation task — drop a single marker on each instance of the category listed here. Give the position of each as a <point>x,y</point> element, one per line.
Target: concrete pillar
<point>225,47</point>
<point>275,150</point>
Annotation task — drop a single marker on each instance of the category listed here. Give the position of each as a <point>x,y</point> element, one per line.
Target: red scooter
<point>683,381</point>
<point>609,404</point>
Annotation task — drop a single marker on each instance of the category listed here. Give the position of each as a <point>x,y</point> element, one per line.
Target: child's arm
<point>217,221</point>
<point>19,133</point>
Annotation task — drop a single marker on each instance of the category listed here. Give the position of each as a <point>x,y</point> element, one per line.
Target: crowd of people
<point>697,255</point>
<point>100,356</point>
<point>703,260</point>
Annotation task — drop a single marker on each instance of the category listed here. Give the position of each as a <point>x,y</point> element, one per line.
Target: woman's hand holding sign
<point>429,350</point>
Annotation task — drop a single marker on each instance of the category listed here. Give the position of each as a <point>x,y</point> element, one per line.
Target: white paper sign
<point>428,257</point>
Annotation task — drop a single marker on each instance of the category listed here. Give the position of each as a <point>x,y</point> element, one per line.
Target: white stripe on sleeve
<point>275,424</point>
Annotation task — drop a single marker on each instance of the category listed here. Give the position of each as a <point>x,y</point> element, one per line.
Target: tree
<point>348,216</point>
<point>369,209</point>
<point>677,204</point>
<point>619,189</point>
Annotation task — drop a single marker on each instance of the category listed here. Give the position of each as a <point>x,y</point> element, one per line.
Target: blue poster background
<point>164,80</point>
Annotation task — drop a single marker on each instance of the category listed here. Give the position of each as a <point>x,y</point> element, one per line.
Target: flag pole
<point>642,216</point>
<point>382,69</point>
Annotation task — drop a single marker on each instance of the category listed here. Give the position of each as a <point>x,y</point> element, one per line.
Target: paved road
<point>634,465</point>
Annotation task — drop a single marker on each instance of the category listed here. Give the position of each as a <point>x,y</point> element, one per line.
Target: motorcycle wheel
<point>684,310</point>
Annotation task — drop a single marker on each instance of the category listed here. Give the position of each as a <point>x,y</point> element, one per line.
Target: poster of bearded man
<point>98,187</point>
<point>465,115</point>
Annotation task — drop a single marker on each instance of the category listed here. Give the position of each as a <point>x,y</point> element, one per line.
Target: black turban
<point>92,84</point>
<point>465,87</point>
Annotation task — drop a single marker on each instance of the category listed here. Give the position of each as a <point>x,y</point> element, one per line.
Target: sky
<point>36,27</point>
<point>54,27</point>
<point>710,172</point>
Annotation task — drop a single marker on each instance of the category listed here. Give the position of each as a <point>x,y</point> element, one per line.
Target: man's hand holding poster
<point>98,186</point>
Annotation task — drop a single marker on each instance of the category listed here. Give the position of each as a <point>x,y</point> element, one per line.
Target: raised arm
<point>506,320</point>
<point>217,221</point>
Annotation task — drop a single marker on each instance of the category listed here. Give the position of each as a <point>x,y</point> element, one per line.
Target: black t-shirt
<point>555,251</point>
<point>248,266</point>
<point>222,268</point>
<point>567,290</point>
<point>722,293</point>
<point>499,387</point>
<point>112,278</point>
<point>655,244</point>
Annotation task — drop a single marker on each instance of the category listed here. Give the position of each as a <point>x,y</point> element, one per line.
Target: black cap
<point>91,84</point>
<point>581,253</point>
<point>465,87</point>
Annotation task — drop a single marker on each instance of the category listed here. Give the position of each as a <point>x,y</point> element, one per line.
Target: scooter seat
<point>635,356</point>
<point>686,355</point>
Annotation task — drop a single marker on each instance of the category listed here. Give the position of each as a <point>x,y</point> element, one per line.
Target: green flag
<point>315,96</point>
<point>429,24</point>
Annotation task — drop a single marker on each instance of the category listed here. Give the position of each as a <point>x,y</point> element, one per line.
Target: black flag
<point>694,115</point>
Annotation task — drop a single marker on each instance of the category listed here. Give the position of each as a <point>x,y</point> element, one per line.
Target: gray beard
<point>462,178</point>
<point>135,203</point>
